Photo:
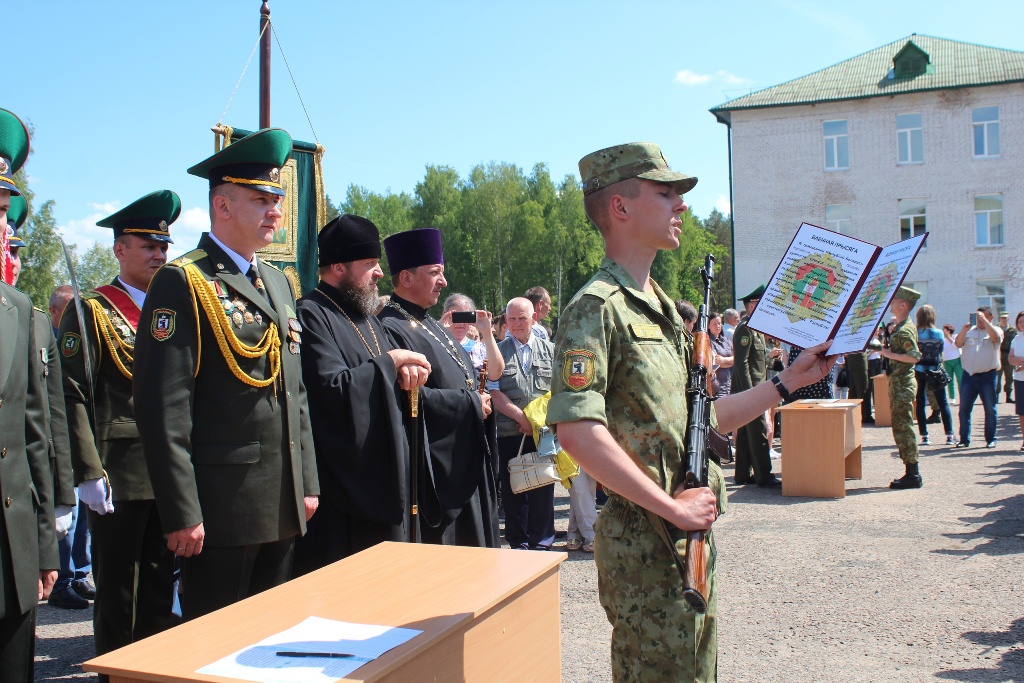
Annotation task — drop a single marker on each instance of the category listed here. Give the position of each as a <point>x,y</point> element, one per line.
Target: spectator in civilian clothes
<point>929,342</point>
<point>722,347</point>
<point>951,359</point>
<point>687,312</point>
<point>980,361</point>
<point>730,319</point>
<point>541,301</point>
<point>479,351</point>
<point>1016,361</point>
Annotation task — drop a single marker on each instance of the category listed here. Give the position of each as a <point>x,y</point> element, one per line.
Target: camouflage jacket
<point>901,375</point>
<point>622,359</point>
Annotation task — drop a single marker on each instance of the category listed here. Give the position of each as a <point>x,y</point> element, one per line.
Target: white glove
<point>62,513</point>
<point>97,494</point>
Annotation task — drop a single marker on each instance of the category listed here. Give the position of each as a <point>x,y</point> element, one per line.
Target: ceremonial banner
<point>294,247</point>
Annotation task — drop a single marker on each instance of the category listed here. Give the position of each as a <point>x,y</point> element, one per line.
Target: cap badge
<point>163,226</point>
<point>275,175</point>
<point>4,166</point>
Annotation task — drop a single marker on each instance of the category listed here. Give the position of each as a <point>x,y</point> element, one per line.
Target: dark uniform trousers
<point>752,451</point>
<point>221,576</point>
<point>860,382</point>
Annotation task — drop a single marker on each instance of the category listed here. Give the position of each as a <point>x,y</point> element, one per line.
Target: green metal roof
<point>953,64</point>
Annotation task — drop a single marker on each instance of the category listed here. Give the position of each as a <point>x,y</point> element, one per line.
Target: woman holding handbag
<point>930,372</point>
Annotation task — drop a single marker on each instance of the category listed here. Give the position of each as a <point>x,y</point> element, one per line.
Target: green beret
<point>756,294</point>
<point>14,147</point>
<point>909,295</point>
<point>634,160</point>
<point>255,162</point>
<point>149,217</point>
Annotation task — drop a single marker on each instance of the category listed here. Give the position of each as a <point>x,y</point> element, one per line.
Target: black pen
<point>329,655</point>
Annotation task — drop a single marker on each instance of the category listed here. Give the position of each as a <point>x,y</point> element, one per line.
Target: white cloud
<point>84,232</point>
<point>185,231</point>
<point>687,77</point>
<point>722,204</point>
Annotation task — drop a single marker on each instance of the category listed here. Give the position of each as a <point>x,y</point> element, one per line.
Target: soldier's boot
<point>911,480</point>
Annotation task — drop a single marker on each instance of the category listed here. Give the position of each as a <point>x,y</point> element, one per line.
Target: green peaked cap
<point>756,294</point>
<point>16,215</point>
<point>14,146</point>
<point>148,217</point>
<point>255,162</point>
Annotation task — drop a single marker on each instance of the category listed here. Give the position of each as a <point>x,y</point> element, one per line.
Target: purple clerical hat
<point>419,247</point>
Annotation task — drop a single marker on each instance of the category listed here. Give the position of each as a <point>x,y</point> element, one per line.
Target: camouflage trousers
<point>656,636</point>
<point>901,407</point>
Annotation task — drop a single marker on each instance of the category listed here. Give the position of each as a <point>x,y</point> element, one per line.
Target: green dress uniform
<point>27,539</point>
<point>132,568</point>
<point>750,351</point>
<point>903,390</point>
<point>622,359</point>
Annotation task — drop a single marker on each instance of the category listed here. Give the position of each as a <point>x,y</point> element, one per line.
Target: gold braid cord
<point>105,331</point>
<point>229,344</point>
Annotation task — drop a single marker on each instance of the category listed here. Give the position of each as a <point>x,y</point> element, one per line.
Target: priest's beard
<point>363,297</point>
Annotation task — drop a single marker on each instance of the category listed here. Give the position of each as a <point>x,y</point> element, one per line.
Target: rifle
<point>695,569</point>
<point>90,392</point>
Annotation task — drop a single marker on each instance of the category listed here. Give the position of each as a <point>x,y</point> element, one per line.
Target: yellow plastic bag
<point>536,412</point>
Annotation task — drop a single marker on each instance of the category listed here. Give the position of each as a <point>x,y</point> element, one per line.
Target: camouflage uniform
<point>624,362</point>
<point>903,390</point>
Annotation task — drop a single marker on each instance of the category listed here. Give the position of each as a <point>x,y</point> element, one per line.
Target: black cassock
<point>458,501</point>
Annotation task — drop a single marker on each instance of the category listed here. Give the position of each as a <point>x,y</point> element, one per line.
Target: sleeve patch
<point>70,344</point>
<point>162,327</point>
<point>578,369</point>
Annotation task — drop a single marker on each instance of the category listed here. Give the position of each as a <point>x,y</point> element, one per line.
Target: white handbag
<point>528,471</point>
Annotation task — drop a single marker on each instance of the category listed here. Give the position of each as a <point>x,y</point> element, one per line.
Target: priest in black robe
<point>354,375</point>
<point>461,506</point>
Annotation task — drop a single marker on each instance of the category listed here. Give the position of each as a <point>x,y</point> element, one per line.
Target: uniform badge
<point>293,347</point>
<point>249,318</point>
<point>4,167</point>
<point>294,336</point>
<point>237,318</point>
<point>258,318</point>
<point>70,344</point>
<point>578,369</point>
<point>162,327</point>
<point>744,341</point>
<point>275,175</point>
<point>294,325</point>
<point>217,288</point>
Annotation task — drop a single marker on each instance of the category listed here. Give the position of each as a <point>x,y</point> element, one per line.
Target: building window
<point>919,286</point>
<point>837,218</point>
<point>910,138</point>
<point>837,145</point>
<point>988,220</point>
<point>992,293</point>
<point>986,132</point>
<point>912,219</point>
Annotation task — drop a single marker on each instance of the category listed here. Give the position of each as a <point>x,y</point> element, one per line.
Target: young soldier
<point>218,390</point>
<point>903,355</point>
<point>620,408</point>
<point>134,572</point>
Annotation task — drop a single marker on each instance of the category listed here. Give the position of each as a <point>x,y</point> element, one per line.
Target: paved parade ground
<point>883,585</point>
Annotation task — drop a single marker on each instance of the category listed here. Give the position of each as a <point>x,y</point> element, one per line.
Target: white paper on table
<point>260,662</point>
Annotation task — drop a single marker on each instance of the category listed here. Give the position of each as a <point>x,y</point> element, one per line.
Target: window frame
<point>988,299</point>
<point>984,125</point>
<point>848,221</point>
<point>911,216</point>
<point>908,133</point>
<point>834,141</point>
<point>988,213</point>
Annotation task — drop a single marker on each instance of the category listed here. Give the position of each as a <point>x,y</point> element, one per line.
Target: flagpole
<point>264,65</point>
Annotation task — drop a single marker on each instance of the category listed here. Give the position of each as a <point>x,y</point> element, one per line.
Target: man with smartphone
<point>980,341</point>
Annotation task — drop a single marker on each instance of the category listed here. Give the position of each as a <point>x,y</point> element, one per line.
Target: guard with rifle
<point>627,407</point>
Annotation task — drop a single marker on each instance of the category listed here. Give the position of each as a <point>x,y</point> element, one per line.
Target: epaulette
<point>92,294</point>
<point>193,256</point>
<point>602,285</point>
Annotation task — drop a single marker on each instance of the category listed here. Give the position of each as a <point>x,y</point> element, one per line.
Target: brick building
<point>921,134</point>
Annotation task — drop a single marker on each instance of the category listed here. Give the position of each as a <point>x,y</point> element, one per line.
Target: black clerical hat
<point>348,238</point>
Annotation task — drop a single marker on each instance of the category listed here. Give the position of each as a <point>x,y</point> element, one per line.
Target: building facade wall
<point>780,181</point>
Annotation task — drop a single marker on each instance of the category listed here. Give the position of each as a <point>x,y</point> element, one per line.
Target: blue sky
<point>123,93</point>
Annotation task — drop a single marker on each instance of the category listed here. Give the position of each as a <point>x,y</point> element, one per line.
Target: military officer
<point>619,406</point>
<point>28,545</point>
<point>134,571</point>
<point>45,357</point>
<point>903,355</point>
<point>218,390</point>
<point>750,357</point>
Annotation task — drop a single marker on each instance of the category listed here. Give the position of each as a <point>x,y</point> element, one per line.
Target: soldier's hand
<point>311,503</point>
<point>485,404</point>
<point>188,541</point>
<point>47,577</point>
<point>698,509</point>
<point>97,494</point>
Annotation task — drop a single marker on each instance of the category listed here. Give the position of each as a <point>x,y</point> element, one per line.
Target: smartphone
<point>463,316</point>
<point>974,319</point>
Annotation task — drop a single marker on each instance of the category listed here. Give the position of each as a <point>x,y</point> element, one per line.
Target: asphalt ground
<point>921,585</point>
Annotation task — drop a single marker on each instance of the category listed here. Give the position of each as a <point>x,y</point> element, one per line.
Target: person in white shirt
<point>730,319</point>
<point>980,361</point>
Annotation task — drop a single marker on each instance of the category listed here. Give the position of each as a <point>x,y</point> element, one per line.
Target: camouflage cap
<point>909,295</point>
<point>633,160</point>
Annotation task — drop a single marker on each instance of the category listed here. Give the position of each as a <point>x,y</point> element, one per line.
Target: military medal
<point>293,347</point>
<point>237,319</point>
<point>249,318</point>
<point>294,325</point>
<point>228,306</point>
<point>258,318</point>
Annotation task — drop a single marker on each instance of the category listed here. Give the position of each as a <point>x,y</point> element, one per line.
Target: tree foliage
<point>505,231</point>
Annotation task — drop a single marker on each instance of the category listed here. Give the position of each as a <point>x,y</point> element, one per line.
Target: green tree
<point>330,210</point>
<point>42,260</point>
<point>97,266</point>
<point>720,227</point>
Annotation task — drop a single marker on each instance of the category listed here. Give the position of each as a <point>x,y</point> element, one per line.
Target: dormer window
<point>910,61</point>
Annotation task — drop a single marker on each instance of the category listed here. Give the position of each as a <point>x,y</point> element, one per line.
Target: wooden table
<point>883,415</point>
<point>486,615</point>
<point>821,447</point>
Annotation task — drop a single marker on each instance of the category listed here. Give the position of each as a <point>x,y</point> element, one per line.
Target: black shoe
<point>868,421</point>
<point>67,598</point>
<point>84,588</point>
<point>743,482</point>
<point>963,444</point>
<point>772,483</point>
<point>934,419</point>
<point>907,481</point>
